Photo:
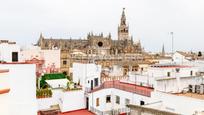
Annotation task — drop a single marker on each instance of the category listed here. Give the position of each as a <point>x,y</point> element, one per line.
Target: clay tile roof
<point>3,91</point>
<point>4,70</point>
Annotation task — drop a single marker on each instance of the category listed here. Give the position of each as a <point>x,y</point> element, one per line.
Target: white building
<point>65,100</point>
<point>21,81</point>
<point>4,91</point>
<point>88,75</point>
<point>9,51</point>
<point>167,77</point>
<point>170,104</point>
<point>182,57</point>
<point>115,95</point>
<point>177,104</point>
<point>49,56</point>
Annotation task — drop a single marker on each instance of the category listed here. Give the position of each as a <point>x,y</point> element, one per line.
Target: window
<point>177,70</point>
<point>89,51</point>
<point>142,102</point>
<point>96,82</point>
<point>168,74</point>
<point>14,56</point>
<point>65,73</point>
<point>191,73</point>
<point>117,100</point>
<point>64,62</point>
<point>127,101</point>
<point>100,44</point>
<point>108,99</point>
<point>97,101</point>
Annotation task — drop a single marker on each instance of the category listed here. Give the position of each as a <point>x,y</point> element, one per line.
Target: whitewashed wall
<point>6,51</point>
<point>22,95</point>
<point>85,73</point>
<point>178,58</point>
<point>162,72</point>
<point>103,106</point>
<point>138,79</point>
<point>179,104</point>
<point>176,85</point>
<point>72,100</point>
<point>46,103</point>
<point>4,99</point>
<point>50,56</point>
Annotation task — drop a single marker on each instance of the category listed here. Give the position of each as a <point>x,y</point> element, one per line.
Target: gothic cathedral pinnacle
<point>123,29</point>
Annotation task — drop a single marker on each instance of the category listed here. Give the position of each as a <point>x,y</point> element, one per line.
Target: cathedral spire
<point>41,36</point>
<point>123,29</point>
<point>40,41</point>
<point>123,18</point>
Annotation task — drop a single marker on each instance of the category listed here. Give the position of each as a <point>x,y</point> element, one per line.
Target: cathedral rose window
<point>100,44</point>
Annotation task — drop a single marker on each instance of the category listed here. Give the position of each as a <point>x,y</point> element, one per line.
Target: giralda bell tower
<point>123,28</point>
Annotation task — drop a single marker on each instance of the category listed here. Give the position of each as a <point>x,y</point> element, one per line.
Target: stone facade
<point>97,44</point>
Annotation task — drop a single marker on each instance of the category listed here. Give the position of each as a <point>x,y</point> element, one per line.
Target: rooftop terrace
<point>141,90</point>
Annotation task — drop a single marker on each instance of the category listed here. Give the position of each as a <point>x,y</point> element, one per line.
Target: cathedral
<point>101,49</point>
<point>97,44</point>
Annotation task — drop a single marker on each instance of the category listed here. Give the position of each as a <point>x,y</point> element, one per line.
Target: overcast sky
<point>151,21</point>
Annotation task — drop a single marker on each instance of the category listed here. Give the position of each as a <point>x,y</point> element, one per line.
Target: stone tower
<point>123,29</point>
<point>40,41</point>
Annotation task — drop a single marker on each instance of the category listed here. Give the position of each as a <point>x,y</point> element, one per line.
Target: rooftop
<point>150,110</point>
<point>3,91</point>
<point>169,66</point>
<point>4,70</point>
<point>192,95</point>
<point>78,112</point>
<point>141,90</point>
<point>16,63</point>
<point>7,41</point>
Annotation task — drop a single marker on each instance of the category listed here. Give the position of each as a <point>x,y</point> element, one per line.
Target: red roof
<point>16,63</point>
<point>2,91</point>
<point>4,70</point>
<point>133,88</point>
<point>78,112</point>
